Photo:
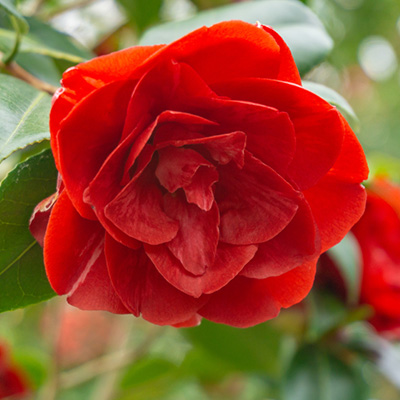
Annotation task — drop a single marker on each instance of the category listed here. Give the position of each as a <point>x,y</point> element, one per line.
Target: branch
<point>15,70</point>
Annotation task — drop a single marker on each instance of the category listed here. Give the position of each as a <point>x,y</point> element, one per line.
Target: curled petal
<point>97,126</point>
<point>297,244</point>
<point>138,212</point>
<point>246,302</point>
<point>74,259</point>
<point>255,203</point>
<point>196,242</point>
<point>144,291</point>
<point>342,206</point>
<point>229,261</point>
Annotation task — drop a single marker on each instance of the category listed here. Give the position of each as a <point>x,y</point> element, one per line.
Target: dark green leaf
<point>24,115</point>
<point>300,28</point>
<point>10,9</point>
<point>315,374</point>
<point>336,100</point>
<point>22,277</point>
<point>347,258</point>
<point>252,349</point>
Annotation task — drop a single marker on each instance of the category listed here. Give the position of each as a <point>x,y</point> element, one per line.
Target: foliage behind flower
<point>199,179</point>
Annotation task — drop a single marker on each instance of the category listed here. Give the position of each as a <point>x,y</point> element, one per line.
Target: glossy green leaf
<point>299,27</point>
<point>10,9</point>
<point>334,98</point>
<point>24,115</point>
<point>314,374</point>
<point>22,277</point>
<point>348,258</point>
<point>252,349</point>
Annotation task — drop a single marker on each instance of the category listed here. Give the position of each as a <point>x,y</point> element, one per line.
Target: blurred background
<point>320,349</point>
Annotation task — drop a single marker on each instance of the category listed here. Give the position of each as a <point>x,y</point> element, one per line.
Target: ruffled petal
<point>255,202</point>
<point>229,261</point>
<point>144,291</point>
<point>342,206</point>
<point>270,134</point>
<point>196,242</point>
<point>137,211</point>
<point>318,125</point>
<point>89,134</point>
<point>81,80</point>
<point>74,259</point>
<point>246,302</point>
<point>297,244</point>
<point>220,44</point>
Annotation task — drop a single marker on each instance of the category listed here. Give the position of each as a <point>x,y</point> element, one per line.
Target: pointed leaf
<point>24,115</point>
<point>22,277</point>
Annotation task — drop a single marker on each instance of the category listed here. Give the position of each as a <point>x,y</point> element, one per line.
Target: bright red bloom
<point>12,379</point>
<point>378,234</point>
<point>201,180</point>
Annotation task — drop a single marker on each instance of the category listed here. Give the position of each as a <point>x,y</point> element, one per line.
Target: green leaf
<point>45,40</point>
<point>9,8</point>
<point>22,277</point>
<point>334,98</point>
<point>24,115</point>
<point>252,349</point>
<point>315,374</point>
<point>142,12</point>
<point>299,27</point>
<point>347,257</point>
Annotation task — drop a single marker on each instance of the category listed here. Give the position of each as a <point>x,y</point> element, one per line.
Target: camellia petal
<point>195,244</point>
<point>317,124</point>
<point>255,203</point>
<point>78,271</point>
<point>246,302</point>
<point>144,291</point>
<point>343,205</point>
<point>229,261</point>
<point>297,244</point>
<point>97,126</point>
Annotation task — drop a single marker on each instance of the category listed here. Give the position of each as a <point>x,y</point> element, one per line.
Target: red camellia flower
<point>378,234</point>
<point>199,179</point>
<point>12,379</point>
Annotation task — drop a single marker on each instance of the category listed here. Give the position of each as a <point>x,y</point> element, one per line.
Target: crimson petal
<point>97,126</point>
<point>297,244</point>
<point>229,261</point>
<point>195,244</point>
<point>144,291</point>
<point>246,302</point>
<point>137,211</point>
<point>255,202</point>
<point>74,259</point>
<point>318,125</point>
<point>343,205</point>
